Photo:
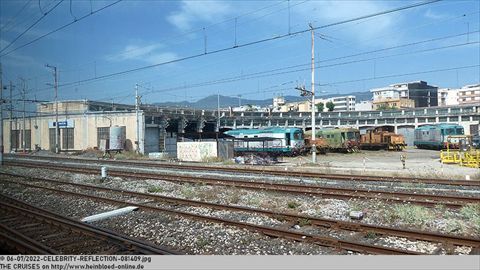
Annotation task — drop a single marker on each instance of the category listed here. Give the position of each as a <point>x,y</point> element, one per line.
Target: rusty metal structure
<point>382,138</point>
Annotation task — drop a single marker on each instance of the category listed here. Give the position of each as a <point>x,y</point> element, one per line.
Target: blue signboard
<point>62,124</point>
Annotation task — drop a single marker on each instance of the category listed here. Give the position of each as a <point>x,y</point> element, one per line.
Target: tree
<point>330,106</point>
<point>320,106</point>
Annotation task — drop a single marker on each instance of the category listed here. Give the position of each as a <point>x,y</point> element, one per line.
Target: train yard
<point>226,210</point>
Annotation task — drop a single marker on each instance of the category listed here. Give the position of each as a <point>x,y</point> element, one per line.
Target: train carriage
<point>436,136</point>
<point>382,138</point>
<point>341,139</point>
<point>273,141</point>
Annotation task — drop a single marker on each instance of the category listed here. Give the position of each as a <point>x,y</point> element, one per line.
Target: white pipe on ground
<point>109,214</point>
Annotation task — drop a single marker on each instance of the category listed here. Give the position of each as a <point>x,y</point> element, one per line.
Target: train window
<point>297,135</point>
<point>459,131</point>
<point>350,135</point>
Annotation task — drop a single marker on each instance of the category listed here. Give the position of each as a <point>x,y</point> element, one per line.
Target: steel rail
<point>15,240</point>
<point>323,222</point>
<point>84,229</point>
<point>428,200</point>
<point>275,232</point>
<point>342,177</point>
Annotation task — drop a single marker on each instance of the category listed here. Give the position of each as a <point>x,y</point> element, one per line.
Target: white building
<point>448,96</point>
<point>364,106</point>
<point>385,93</point>
<point>469,94</point>
<point>345,103</point>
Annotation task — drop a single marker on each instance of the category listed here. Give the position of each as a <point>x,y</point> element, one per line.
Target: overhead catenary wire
<point>279,71</point>
<point>57,29</point>
<point>249,43</point>
<point>285,70</point>
<point>15,16</point>
<point>30,27</point>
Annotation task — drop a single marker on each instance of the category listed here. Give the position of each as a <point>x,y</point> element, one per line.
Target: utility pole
<point>306,93</point>
<point>314,146</point>
<point>137,105</point>
<point>11,114</point>
<point>57,131</point>
<point>218,112</point>
<point>1,115</point>
<point>23,118</point>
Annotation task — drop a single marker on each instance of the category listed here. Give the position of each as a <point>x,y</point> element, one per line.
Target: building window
<point>67,138</point>
<point>51,138</point>
<point>28,138</point>
<point>103,133</point>
<point>14,139</point>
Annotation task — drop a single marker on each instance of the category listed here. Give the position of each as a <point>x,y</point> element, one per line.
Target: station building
<point>83,124</point>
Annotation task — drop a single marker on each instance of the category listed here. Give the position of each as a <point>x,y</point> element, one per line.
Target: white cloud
<point>151,54</point>
<point>429,14</point>
<point>198,11</point>
<point>325,12</point>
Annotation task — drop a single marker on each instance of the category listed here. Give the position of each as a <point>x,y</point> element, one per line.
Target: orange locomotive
<point>382,138</point>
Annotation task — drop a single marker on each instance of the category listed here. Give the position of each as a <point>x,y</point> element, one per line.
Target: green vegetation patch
<point>410,214</point>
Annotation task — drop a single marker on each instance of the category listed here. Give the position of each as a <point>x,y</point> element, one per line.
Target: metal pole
<point>1,117</point>
<point>24,143</point>
<point>314,146</point>
<point>218,111</point>
<point>11,114</point>
<point>136,117</point>
<point>57,131</point>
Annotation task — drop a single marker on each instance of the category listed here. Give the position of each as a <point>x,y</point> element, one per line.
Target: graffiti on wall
<point>196,151</point>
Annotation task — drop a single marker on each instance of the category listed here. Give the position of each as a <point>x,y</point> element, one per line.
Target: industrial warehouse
<point>348,131</point>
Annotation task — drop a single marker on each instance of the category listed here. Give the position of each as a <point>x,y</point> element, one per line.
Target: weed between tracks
<point>471,212</point>
<point>410,214</point>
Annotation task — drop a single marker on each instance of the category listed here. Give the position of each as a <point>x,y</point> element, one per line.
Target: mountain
<point>210,102</point>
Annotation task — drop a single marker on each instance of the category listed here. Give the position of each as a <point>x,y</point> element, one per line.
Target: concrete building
<point>365,105</point>
<point>420,92</point>
<point>390,97</point>
<point>83,124</point>
<point>469,94</point>
<point>345,103</point>
<point>448,97</point>
<point>399,103</point>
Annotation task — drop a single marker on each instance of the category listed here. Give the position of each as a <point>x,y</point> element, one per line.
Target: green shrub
<point>410,214</point>
<point>293,204</point>
<point>154,189</point>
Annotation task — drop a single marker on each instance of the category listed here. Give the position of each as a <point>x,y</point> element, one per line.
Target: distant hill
<point>210,102</point>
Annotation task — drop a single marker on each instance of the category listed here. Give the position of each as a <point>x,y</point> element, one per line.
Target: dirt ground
<point>419,162</point>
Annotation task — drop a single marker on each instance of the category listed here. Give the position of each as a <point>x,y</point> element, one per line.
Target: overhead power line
<point>399,75</point>
<point>282,71</point>
<point>15,16</point>
<point>248,43</point>
<point>58,29</point>
<point>30,27</point>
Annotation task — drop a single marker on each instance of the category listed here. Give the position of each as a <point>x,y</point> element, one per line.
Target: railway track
<point>269,231</point>
<point>263,171</point>
<point>321,222</point>
<point>27,229</point>
<point>429,200</point>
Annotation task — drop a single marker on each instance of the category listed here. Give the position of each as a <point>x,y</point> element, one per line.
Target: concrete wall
<point>85,129</point>
<point>196,151</point>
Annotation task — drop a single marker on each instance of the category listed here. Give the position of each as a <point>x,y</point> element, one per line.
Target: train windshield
<point>351,136</point>
<point>459,131</point>
<point>298,135</point>
<point>450,131</point>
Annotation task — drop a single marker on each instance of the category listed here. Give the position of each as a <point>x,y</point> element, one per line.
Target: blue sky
<point>135,34</point>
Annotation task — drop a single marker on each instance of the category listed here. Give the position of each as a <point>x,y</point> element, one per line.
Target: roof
<point>262,130</point>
